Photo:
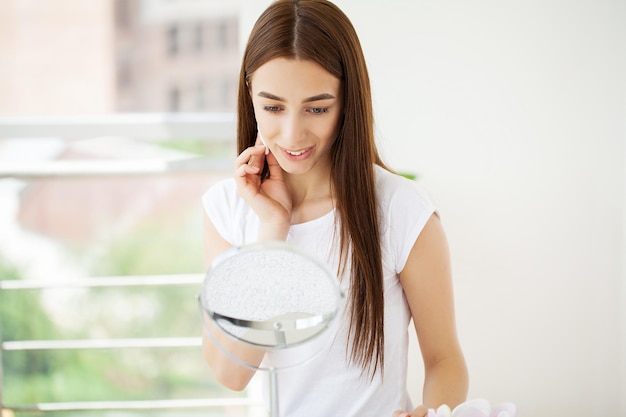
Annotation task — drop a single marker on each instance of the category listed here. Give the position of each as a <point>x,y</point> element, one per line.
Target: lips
<point>299,154</point>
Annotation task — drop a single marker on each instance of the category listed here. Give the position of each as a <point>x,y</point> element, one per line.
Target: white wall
<point>512,114</point>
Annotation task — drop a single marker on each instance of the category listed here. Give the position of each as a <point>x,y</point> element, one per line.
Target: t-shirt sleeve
<point>409,210</point>
<point>219,205</point>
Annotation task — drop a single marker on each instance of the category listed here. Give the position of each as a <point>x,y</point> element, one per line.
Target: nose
<point>293,129</point>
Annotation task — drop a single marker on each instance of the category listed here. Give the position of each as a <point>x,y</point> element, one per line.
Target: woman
<point>308,172</point>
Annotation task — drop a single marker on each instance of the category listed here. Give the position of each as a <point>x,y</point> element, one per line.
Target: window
<point>200,96</point>
<point>222,35</point>
<point>198,38</point>
<point>123,17</point>
<point>92,199</point>
<point>174,99</point>
<point>124,73</point>
<point>226,97</point>
<point>173,40</point>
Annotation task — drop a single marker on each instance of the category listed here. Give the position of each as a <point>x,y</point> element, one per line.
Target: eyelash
<point>318,110</point>
<point>312,110</point>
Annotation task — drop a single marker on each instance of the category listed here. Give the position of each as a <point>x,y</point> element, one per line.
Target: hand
<point>268,198</point>
<point>420,411</point>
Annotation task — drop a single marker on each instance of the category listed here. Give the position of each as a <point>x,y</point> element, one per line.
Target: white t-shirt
<point>330,385</point>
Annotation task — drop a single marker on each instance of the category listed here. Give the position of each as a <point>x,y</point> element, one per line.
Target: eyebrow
<point>323,96</point>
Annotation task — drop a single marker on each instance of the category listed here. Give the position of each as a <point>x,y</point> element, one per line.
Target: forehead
<point>294,79</point>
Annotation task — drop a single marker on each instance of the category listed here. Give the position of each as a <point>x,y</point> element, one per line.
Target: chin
<point>291,170</point>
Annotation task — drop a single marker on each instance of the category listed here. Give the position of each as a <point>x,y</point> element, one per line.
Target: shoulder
<point>221,202</point>
<point>404,209</point>
<point>395,192</point>
<point>221,192</point>
<point>220,199</point>
<point>231,216</point>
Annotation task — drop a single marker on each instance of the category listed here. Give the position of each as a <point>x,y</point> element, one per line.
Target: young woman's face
<point>298,105</point>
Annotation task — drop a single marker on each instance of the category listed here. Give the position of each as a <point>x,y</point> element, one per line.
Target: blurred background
<point>116,115</point>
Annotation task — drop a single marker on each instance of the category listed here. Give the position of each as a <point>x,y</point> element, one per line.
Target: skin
<point>298,106</point>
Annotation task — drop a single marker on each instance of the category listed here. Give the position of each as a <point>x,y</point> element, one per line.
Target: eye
<point>318,110</point>
<point>272,109</point>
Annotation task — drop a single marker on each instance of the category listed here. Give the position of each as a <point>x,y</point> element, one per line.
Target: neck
<point>311,195</point>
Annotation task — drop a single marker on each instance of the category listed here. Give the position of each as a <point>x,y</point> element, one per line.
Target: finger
<point>275,171</point>
<point>248,180</point>
<point>261,141</point>
<point>400,413</point>
<point>251,156</point>
<point>249,152</point>
<point>258,159</point>
<point>245,169</point>
<point>420,411</point>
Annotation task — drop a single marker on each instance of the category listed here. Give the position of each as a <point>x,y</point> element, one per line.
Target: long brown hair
<point>319,31</point>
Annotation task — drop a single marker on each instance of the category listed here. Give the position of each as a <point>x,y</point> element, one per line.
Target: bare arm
<point>427,282</point>
<point>226,371</point>
<point>271,202</point>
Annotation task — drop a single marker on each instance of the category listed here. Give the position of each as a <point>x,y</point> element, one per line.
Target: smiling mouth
<point>300,153</point>
<point>296,153</point>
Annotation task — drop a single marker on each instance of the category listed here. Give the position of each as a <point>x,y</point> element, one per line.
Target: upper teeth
<point>297,153</point>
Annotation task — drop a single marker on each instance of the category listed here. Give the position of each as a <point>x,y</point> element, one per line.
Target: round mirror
<point>270,295</point>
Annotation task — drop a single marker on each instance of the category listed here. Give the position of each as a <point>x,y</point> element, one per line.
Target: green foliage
<point>21,316</point>
<point>187,145</point>
<point>197,146</point>
<point>158,246</point>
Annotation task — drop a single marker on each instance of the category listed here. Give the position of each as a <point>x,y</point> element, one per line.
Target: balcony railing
<point>145,126</point>
<point>151,127</point>
<point>161,342</point>
<point>217,127</point>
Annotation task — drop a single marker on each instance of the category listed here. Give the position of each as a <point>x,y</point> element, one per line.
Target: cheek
<point>326,135</point>
<point>333,131</point>
<point>265,122</point>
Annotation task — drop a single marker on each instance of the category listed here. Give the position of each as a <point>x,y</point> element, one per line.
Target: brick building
<point>100,56</point>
